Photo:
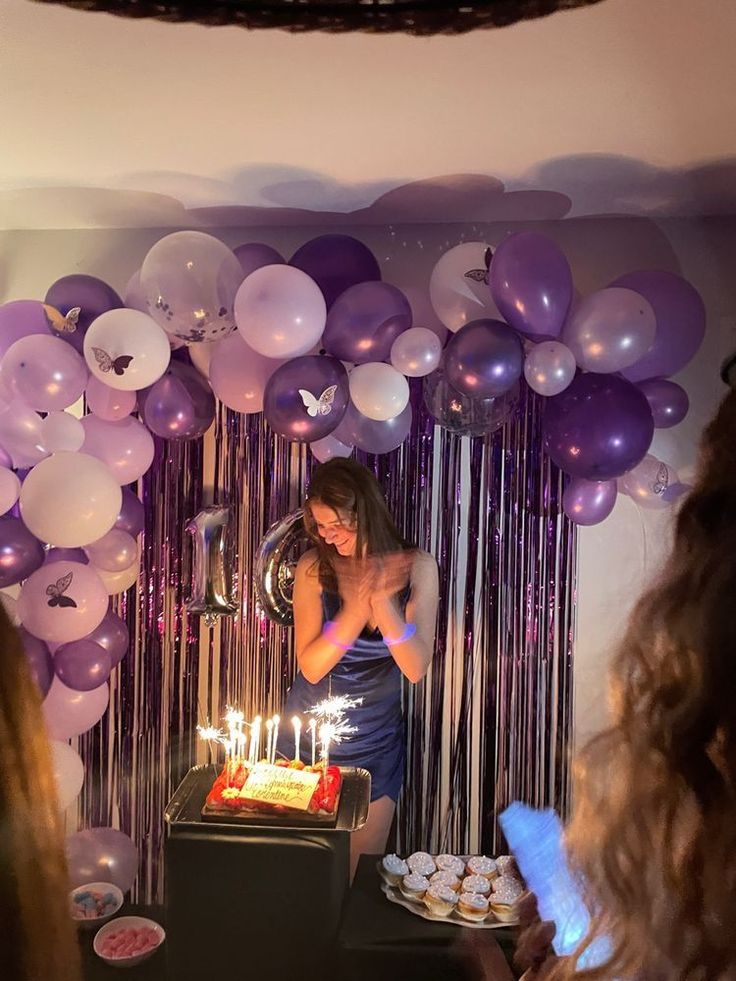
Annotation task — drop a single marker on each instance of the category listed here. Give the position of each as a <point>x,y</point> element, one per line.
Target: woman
<point>37,938</point>
<point>365,605</point>
<point>653,834</point>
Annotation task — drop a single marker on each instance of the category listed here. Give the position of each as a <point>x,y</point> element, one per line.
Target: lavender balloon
<point>253,255</point>
<point>132,515</point>
<point>239,374</point>
<point>549,368</point>
<point>82,665</point>
<point>91,295</point>
<point>115,551</point>
<point>180,405</point>
<point>69,713</point>
<point>667,400</point>
<point>21,553</point>
<point>598,428</point>
<point>101,855</point>
<point>39,659</point>
<point>306,398</point>
<point>336,262</point>
<point>125,447</point>
<point>531,284</point>
<point>484,358</point>
<point>22,318</point>
<point>416,352</point>
<point>374,435</point>
<point>588,502</point>
<point>364,322</point>
<point>44,372</point>
<point>680,315</point>
<point>112,635</point>
<point>610,330</point>
<point>330,447</point>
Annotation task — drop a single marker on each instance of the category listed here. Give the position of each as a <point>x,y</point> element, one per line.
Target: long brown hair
<point>344,484</point>
<point>37,936</point>
<point>653,834</point>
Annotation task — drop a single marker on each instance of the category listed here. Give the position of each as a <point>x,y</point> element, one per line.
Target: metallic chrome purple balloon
<point>680,314</point>
<point>598,428</point>
<point>371,435</point>
<point>253,255</point>
<point>39,660</point>
<point>180,405</point>
<point>21,553</point>
<point>66,555</point>
<point>82,664</point>
<point>132,514</point>
<point>531,284</point>
<point>299,402</point>
<point>667,400</point>
<point>336,262</point>
<point>588,502</point>
<point>91,294</point>
<point>364,322</point>
<point>484,359</point>
<point>113,635</point>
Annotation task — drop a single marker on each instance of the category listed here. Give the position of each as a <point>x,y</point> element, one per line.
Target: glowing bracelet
<point>328,631</point>
<point>409,630</point>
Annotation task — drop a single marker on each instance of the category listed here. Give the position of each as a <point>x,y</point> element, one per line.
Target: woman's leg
<point>371,838</point>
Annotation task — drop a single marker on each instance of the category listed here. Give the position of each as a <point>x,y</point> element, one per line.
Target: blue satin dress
<point>366,670</point>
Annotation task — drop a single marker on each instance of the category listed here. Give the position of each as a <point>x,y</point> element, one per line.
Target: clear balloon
<point>39,660</point>
<point>180,405</point>
<point>335,263</point>
<point>588,502</point>
<point>9,490</point>
<point>189,280</point>
<point>484,359</point>
<point>62,601</point>
<point>44,372</point>
<point>82,664</point>
<point>238,374</point>
<point>329,447</point>
<point>462,414</point>
<point>667,400</point>
<point>81,299</point>
<point>113,552</point>
<point>598,428</point>
<point>212,592</point>
<point>305,398</point>
<point>549,368</point>
<point>126,349</point>
<point>280,312</point>
<point>69,713</point>
<point>112,635</point>
<point>416,352</point>
<point>648,483</point>
<point>125,447</point>
<point>254,255</point>
<point>101,855</point>
<point>371,435</point>
<point>20,434</point>
<point>378,391</point>
<point>132,514</point>
<point>531,283</point>
<point>20,552</point>
<point>610,330</point>
<point>364,322</point>
<point>61,431</point>
<point>70,499</point>
<point>458,286</point>
<point>110,404</point>
<point>22,318</point>
<point>68,773</point>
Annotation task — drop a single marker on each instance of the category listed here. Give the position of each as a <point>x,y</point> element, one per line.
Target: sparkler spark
<point>333,709</point>
<point>211,734</point>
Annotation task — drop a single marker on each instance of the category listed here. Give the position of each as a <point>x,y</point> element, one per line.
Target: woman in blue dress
<point>365,605</point>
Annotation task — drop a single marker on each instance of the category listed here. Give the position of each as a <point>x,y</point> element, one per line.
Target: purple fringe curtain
<point>492,721</point>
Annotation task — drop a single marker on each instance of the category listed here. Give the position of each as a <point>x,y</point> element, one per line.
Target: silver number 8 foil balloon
<point>275,564</point>
<point>212,592</point>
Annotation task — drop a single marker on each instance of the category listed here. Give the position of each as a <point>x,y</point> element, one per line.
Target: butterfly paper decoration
<point>63,324</point>
<point>662,480</point>
<point>321,406</point>
<point>481,275</point>
<point>107,363</point>
<point>56,591</point>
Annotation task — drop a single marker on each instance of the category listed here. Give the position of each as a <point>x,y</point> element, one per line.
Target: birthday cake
<point>284,789</point>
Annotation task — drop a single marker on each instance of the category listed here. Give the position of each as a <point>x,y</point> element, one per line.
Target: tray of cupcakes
<point>472,891</point>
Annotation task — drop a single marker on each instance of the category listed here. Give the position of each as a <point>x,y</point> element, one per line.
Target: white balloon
<point>378,391</point>
<point>280,311</point>
<point>61,431</point>
<point>329,447</point>
<point>68,772</point>
<point>9,489</point>
<point>69,713</point>
<point>119,582</point>
<point>70,499</point>
<point>549,367</point>
<point>126,349</point>
<point>416,352</point>
<point>648,482</point>
<point>458,286</point>
<point>201,354</point>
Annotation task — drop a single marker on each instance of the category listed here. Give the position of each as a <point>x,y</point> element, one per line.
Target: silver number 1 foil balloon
<point>212,592</point>
<point>275,563</point>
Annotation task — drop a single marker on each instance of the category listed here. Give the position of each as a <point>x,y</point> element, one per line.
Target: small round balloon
<point>335,263</point>
<point>588,502</point>
<point>484,359</point>
<point>416,352</point>
<point>23,318</point>
<point>610,330</point>
<point>373,435</point>
<point>378,391</point>
<point>126,349</point>
<point>108,403</point>
<point>44,372</point>
<point>280,312</point>
<point>189,280</point>
<point>458,286</point>
<point>238,374</point>
<point>549,367</point>
<point>667,400</point>
<point>648,482</point>
<point>305,398</point>
<point>364,322</point>
<point>115,551</point>
<point>82,664</point>
<point>125,447</point>
<point>61,431</point>
<point>112,634</point>
<point>62,601</point>
<point>101,855</point>
<point>81,299</point>
<point>20,552</point>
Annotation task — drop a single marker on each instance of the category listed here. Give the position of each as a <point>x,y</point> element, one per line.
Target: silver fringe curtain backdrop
<point>492,720</point>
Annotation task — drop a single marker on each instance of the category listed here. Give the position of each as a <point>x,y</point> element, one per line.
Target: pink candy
<point>129,942</point>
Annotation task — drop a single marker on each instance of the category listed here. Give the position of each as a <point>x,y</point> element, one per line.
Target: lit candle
<point>255,740</point>
<point>297,723</point>
<point>324,735</point>
<point>276,720</point>
<point>313,730</point>
<point>269,739</point>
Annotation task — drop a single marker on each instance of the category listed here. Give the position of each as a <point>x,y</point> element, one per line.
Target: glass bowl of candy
<point>95,903</point>
<point>128,941</point>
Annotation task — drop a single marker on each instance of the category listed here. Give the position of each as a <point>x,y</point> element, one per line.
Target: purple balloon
<point>21,553</point>
<point>44,373</point>
<point>66,555</point>
<point>299,402</point>
<point>531,284</point>
<point>598,428</point>
<point>101,855</point>
<point>588,502</point>
<point>82,664</point>
<point>92,295</point>
<point>112,634</point>
<point>253,255</point>
<point>132,517</point>
<point>484,359</point>
<point>680,314</point>
<point>39,658</point>
<point>371,435</point>
<point>21,318</point>
<point>667,400</point>
<point>336,262</point>
<point>180,405</point>
<point>364,322</point>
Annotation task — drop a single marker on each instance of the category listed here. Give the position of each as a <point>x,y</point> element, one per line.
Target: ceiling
<point>625,107</point>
